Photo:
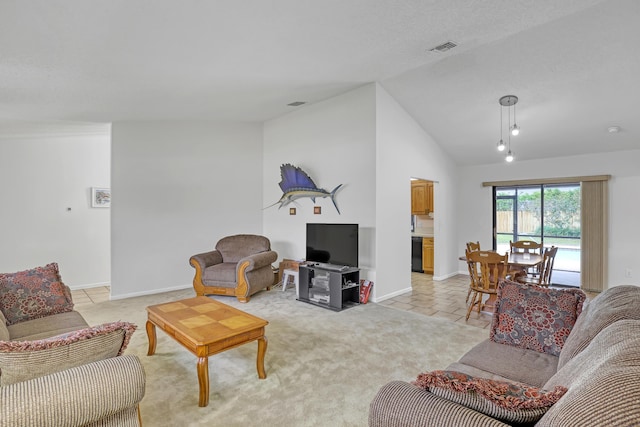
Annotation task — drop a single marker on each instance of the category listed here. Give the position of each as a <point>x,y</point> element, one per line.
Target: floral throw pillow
<point>535,318</point>
<point>510,402</point>
<point>33,293</point>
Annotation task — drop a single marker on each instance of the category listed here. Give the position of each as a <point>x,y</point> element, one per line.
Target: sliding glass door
<point>543,213</point>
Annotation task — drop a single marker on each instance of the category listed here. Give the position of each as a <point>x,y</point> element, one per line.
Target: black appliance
<point>416,254</point>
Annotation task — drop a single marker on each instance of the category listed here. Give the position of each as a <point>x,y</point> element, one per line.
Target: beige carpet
<point>323,367</point>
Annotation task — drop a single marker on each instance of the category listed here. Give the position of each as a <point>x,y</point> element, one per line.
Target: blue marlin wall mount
<point>296,184</point>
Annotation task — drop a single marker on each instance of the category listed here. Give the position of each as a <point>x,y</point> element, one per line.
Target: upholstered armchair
<point>239,266</point>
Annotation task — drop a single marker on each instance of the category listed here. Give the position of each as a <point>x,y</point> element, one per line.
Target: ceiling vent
<point>444,47</point>
<point>296,104</point>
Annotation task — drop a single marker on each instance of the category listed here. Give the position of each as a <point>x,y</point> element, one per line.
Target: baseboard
<point>447,276</point>
<point>89,286</point>
<point>151,292</point>
<point>391,295</point>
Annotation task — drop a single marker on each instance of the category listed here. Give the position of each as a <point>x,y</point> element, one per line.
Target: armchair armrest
<point>76,396</point>
<point>400,404</point>
<point>258,260</point>
<point>206,259</point>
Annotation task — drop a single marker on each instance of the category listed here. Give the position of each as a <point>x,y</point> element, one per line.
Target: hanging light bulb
<point>515,130</point>
<point>509,157</point>
<point>501,145</point>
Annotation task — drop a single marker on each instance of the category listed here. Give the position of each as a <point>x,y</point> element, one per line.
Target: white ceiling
<point>574,64</point>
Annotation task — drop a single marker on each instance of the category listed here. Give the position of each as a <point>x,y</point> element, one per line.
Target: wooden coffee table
<point>206,327</point>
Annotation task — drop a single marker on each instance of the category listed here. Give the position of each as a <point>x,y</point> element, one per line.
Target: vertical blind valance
<point>540,181</point>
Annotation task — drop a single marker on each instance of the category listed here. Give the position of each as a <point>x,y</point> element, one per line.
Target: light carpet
<point>323,367</point>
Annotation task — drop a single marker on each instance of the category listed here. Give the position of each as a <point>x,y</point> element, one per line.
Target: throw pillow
<point>533,317</point>
<point>34,293</point>
<point>507,401</point>
<point>24,360</point>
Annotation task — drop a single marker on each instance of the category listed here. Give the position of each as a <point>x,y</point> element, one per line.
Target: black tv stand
<point>329,288</point>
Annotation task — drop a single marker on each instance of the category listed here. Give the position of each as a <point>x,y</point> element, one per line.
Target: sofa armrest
<point>400,404</point>
<point>76,396</point>
<point>206,259</point>
<point>258,260</point>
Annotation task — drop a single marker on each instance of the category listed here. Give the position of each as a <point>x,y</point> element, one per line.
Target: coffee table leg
<point>262,349</point>
<point>203,380</point>
<point>151,334</point>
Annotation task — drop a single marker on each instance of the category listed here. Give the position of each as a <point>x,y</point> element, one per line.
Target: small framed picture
<point>317,210</point>
<point>100,197</point>
<point>292,211</point>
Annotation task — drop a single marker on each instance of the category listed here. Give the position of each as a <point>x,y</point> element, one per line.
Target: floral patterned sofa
<point>56,370</point>
<point>549,361</point>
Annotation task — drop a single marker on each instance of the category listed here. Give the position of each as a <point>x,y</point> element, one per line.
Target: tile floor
<point>91,295</point>
<point>444,299</point>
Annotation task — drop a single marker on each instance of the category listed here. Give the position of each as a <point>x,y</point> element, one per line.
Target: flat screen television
<point>333,244</point>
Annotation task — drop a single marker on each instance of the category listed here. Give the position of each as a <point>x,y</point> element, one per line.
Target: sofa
<point>239,266</point>
<point>55,369</point>
<point>587,374</point>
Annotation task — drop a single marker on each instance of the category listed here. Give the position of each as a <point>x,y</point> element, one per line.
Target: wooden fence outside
<point>527,222</point>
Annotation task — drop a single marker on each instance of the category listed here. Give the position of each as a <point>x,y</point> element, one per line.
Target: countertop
<point>421,234</point>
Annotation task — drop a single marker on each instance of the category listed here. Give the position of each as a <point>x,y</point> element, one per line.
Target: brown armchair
<point>240,266</point>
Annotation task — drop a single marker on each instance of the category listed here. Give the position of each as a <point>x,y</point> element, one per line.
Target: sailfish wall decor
<point>296,184</point>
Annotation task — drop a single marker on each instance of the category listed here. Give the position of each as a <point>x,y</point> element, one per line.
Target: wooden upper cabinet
<point>421,197</point>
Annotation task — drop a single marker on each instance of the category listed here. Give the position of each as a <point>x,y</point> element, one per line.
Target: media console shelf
<point>330,289</point>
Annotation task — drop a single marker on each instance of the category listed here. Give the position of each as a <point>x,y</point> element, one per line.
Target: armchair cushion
<point>47,327</point>
<point>220,274</point>
<point>507,401</point>
<point>24,360</point>
<point>33,293</point>
<point>535,318</point>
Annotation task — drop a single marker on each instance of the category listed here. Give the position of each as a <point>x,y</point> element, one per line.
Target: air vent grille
<point>444,47</point>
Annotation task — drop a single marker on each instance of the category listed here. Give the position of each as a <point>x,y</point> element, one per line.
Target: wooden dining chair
<point>527,247</point>
<point>546,268</point>
<point>471,246</point>
<point>487,269</point>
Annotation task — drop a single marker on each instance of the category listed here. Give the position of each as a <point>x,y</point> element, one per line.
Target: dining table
<point>517,261</point>
<point>521,260</point>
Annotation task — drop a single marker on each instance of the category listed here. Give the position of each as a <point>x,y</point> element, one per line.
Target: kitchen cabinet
<point>427,254</point>
<point>421,197</point>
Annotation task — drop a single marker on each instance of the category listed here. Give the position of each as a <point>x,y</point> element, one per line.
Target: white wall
<point>624,203</point>
<point>405,150</point>
<point>334,142</point>
<point>177,188</point>
<point>46,175</point>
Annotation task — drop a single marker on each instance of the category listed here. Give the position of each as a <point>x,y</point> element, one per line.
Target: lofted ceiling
<point>574,64</point>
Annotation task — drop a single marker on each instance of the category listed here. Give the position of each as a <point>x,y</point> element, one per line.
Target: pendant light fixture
<point>508,101</point>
